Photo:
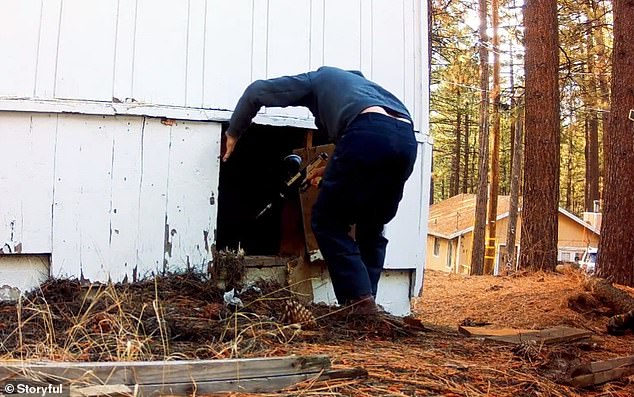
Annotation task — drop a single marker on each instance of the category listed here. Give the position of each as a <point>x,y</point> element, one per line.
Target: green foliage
<point>585,50</point>
<point>455,91</point>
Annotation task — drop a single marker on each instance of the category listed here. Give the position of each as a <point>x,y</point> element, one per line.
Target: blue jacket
<point>334,96</point>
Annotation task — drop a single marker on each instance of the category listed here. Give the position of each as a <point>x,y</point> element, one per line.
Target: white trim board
<point>140,109</point>
<point>11,104</point>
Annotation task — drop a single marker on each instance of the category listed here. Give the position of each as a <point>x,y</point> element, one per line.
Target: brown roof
<point>458,213</point>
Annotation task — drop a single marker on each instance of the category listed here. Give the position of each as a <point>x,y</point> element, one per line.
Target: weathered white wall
<point>180,59</point>
<point>109,197</point>
<point>19,273</point>
<point>203,53</point>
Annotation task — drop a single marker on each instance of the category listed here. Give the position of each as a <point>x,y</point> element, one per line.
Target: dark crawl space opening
<point>251,179</point>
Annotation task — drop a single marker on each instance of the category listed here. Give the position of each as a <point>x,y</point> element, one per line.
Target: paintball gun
<point>297,176</point>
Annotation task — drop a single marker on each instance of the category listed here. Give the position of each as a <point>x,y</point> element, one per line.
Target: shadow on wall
<point>251,179</point>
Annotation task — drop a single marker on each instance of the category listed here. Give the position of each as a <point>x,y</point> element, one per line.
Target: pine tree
<point>616,249</point>
<point>541,163</point>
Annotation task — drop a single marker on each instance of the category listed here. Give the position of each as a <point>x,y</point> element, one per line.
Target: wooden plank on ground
<point>600,372</point>
<point>484,332</point>
<point>163,372</point>
<point>546,336</point>
<point>251,385</point>
<point>599,366</point>
<point>193,387</point>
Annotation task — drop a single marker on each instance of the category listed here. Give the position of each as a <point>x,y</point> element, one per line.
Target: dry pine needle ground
<point>150,321</point>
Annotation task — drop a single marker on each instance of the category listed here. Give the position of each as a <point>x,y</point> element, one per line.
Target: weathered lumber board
<point>265,261</point>
<point>251,385</point>
<point>483,332</point>
<point>600,372</point>
<point>517,336</point>
<point>162,372</point>
<point>255,385</point>
<point>309,197</point>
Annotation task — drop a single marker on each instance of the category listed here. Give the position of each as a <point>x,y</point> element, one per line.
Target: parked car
<point>589,260</point>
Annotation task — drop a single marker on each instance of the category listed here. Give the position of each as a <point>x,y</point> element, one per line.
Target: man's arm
<point>279,92</point>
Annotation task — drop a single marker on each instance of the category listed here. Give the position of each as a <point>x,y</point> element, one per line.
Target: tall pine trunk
<point>479,229</point>
<point>495,153</point>
<point>455,160</point>
<point>541,162</point>
<point>616,249</point>
<point>592,131</point>
<point>465,170</point>
<point>592,161</point>
<point>569,170</point>
<point>516,178</point>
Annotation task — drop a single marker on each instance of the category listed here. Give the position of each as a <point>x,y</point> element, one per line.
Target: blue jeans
<point>362,186</point>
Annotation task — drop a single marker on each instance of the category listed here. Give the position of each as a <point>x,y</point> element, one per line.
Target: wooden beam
<point>517,336</point>
<point>253,385</point>
<point>308,197</point>
<point>192,387</point>
<point>162,372</point>
<point>265,261</point>
<point>485,332</point>
<point>600,372</point>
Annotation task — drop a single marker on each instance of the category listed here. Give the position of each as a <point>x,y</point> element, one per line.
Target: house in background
<point>450,234</point>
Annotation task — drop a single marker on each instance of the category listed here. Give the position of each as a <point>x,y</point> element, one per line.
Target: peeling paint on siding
<point>12,246</point>
<point>167,242</point>
<point>206,239</point>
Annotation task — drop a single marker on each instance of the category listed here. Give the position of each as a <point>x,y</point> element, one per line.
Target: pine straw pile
<point>167,317</point>
<point>185,316</point>
<point>175,316</point>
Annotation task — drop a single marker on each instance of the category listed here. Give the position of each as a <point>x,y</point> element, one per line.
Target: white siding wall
<point>26,182</point>
<point>130,193</point>
<point>109,197</point>
<point>199,53</point>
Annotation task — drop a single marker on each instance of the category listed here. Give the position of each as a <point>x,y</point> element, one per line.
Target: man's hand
<point>229,146</point>
<point>314,175</point>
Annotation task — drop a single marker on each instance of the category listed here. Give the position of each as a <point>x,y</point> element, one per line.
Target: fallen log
<point>619,324</point>
<point>609,295</point>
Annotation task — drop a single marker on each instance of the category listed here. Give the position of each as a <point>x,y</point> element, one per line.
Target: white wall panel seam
<point>323,31</point>
<point>59,32</point>
<point>202,104</point>
<point>47,48</point>
<point>37,52</point>
<point>138,265</point>
<point>251,57</point>
<point>116,38</point>
<point>134,40</point>
<point>111,192</point>
<point>53,203</point>
<point>189,3</point>
<point>166,260</point>
<point>268,38</point>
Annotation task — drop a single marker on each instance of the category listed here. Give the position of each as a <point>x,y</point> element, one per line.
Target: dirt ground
<point>66,321</point>
<point>441,362</point>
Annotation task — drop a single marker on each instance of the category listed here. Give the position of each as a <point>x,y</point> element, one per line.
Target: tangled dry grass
<point>185,316</point>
